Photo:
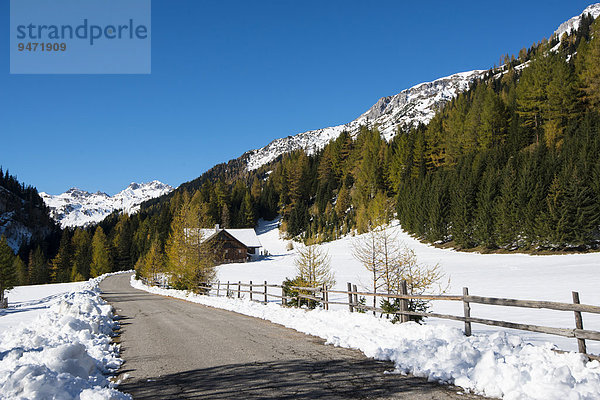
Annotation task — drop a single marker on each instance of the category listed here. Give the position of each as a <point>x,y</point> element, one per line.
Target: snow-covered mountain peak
<point>76,192</point>
<point>408,108</point>
<point>573,23</point>
<point>77,207</point>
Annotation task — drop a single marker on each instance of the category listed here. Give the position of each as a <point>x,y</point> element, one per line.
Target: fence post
<point>283,298</point>
<point>227,294</point>
<point>218,287</point>
<point>350,297</point>
<point>467,310</point>
<point>325,297</point>
<point>374,300</point>
<point>3,300</point>
<point>404,302</point>
<point>354,289</point>
<point>250,290</point>
<point>579,324</point>
<point>266,300</point>
<point>239,288</point>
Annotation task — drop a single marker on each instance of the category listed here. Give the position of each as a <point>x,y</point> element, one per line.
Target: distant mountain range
<point>77,207</point>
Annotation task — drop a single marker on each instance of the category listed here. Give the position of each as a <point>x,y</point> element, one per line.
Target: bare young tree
<point>389,258</point>
<point>367,250</point>
<point>420,278</point>
<point>313,265</point>
<point>390,262</point>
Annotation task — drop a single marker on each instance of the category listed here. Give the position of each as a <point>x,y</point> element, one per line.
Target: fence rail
<point>321,294</point>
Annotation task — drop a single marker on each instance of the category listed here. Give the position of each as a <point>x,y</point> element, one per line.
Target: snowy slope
<point>28,302</point>
<point>518,276</point>
<point>410,107</point>
<point>77,207</point>
<point>573,23</point>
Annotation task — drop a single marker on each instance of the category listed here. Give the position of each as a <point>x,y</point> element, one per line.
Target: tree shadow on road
<point>291,379</point>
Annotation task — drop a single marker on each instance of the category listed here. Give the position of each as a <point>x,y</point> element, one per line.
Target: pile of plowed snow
<point>64,352</point>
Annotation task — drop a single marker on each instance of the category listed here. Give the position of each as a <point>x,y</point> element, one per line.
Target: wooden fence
<point>260,292</point>
<point>236,289</point>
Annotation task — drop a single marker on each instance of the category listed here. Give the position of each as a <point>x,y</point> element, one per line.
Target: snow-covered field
<point>29,302</point>
<point>497,365</point>
<point>55,343</point>
<point>517,276</point>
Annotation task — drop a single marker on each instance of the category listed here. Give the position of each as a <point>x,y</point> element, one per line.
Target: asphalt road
<point>175,349</point>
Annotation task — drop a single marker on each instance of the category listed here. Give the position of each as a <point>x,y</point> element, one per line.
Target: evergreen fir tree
<point>369,177</point>
<point>247,211</point>
<point>21,273</point>
<point>61,264</point>
<point>505,214</point>
<point>7,272</point>
<point>38,268</point>
<point>438,202</point>
<point>101,263</point>
<point>588,65</point>
<point>82,255</point>
<point>122,243</point>
<point>484,216</point>
<point>462,200</point>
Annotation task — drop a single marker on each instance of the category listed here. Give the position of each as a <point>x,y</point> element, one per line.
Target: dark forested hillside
<point>24,217</point>
<point>25,226</point>
<point>513,163</point>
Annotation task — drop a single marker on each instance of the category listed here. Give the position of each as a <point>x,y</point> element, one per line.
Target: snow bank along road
<point>55,343</point>
<point>175,349</point>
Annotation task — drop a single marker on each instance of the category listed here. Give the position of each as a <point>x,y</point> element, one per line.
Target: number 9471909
<point>44,46</point>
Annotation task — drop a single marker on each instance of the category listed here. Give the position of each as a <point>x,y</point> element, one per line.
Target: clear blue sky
<point>230,76</point>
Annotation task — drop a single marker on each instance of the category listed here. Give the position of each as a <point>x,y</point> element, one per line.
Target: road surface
<point>175,349</point>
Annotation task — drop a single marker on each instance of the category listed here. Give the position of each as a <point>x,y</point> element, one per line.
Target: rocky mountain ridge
<point>406,109</point>
<point>409,108</point>
<point>573,23</point>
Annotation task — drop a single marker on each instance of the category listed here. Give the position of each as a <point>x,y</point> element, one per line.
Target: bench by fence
<point>260,292</point>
